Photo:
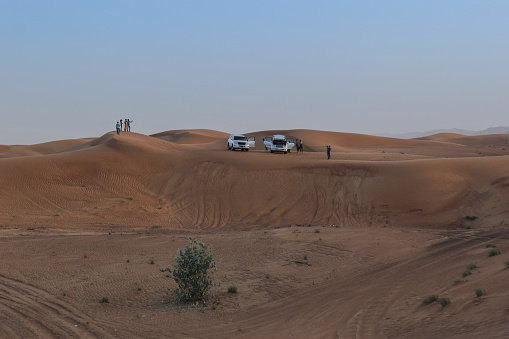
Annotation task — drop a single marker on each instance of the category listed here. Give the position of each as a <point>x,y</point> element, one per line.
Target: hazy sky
<point>71,69</point>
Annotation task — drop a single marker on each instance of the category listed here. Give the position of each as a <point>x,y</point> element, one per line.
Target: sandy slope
<point>383,224</point>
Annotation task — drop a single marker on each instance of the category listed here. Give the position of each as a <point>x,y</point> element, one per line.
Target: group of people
<point>299,145</point>
<point>126,125</point>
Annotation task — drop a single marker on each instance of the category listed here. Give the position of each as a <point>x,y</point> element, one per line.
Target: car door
<point>290,143</point>
<point>267,141</point>
<point>251,142</point>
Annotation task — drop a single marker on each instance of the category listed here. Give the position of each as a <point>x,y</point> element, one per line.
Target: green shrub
<point>151,261</point>
<point>488,245</point>
<point>232,289</point>
<point>429,299</point>
<point>103,300</point>
<point>444,301</point>
<point>493,252</point>
<point>466,273</point>
<point>506,263</point>
<point>471,217</point>
<point>479,292</point>
<point>190,272</point>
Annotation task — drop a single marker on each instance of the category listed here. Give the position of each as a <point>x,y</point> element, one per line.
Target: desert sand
<point>339,248</point>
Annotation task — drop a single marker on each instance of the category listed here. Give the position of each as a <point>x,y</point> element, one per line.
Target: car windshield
<point>239,138</point>
<point>279,142</point>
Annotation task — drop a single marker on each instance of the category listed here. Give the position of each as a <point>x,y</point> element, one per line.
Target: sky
<point>72,69</point>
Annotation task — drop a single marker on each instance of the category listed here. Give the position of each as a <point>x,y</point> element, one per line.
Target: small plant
<point>479,292</point>
<point>458,280</point>
<point>493,252</point>
<point>471,266</point>
<point>267,276</point>
<point>85,256</point>
<point>430,299</point>
<point>471,217</point>
<point>57,214</point>
<point>128,260</point>
<point>317,230</point>
<point>130,197</point>
<point>139,289</point>
<point>64,294</point>
<point>306,257</point>
<point>490,245</point>
<point>232,289</point>
<point>190,272</point>
<point>103,300</point>
<point>506,263</point>
<point>444,301</point>
<point>466,273</point>
<point>151,261</point>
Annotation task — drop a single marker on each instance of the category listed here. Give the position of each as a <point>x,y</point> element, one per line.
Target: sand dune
<point>384,222</point>
<point>441,136</point>
<point>38,149</point>
<point>195,136</point>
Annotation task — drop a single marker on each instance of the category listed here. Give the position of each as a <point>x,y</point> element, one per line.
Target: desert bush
<point>444,301</point>
<point>471,266</point>
<point>466,273</point>
<point>493,252</point>
<point>151,261</point>
<point>479,292</point>
<point>190,272</point>
<point>429,299</point>
<point>471,217</point>
<point>506,263</point>
<point>103,300</point>
<point>489,245</point>
<point>232,289</point>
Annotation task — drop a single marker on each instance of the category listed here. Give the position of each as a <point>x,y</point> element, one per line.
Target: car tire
<point>271,151</point>
<point>286,152</point>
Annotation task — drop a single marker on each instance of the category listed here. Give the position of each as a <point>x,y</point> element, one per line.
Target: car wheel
<point>286,152</point>
<point>271,151</point>
<point>247,149</point>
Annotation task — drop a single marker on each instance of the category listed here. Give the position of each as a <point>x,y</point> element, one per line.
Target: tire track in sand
<point>29,312</point>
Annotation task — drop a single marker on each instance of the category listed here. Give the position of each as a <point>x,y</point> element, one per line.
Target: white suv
<point>239,141</point>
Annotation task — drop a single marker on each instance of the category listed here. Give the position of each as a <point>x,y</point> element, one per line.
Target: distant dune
<point>370,179</point>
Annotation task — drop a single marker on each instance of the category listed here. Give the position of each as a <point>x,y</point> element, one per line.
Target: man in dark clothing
<point>328,151</point>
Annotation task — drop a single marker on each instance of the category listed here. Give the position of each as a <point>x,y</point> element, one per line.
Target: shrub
<point>466,273</point>
<point>103,300</point>
<point>471,266</point>
<point>190,272</point>
<point>232,289</point>
<point>471,217</point>
<point>489,245</point>
<point>317,230</point>
<point>493,252</point>
<point>506,263</point>
<point>444,301</point>
<point>151,262</point>
<point>429,299</point>
<point>305,257</point>
<point>479,292</point>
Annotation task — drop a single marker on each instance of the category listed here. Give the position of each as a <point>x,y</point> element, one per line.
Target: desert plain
<point>341,248</point>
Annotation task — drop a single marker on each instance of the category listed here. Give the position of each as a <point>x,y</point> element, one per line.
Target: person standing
<point>121,124</point>
<point>297,145</point>
<point>125,125</point>
<point>129,126</point>
<point>328,151</point>
<point>118,127</point>
<point>301,145</point>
